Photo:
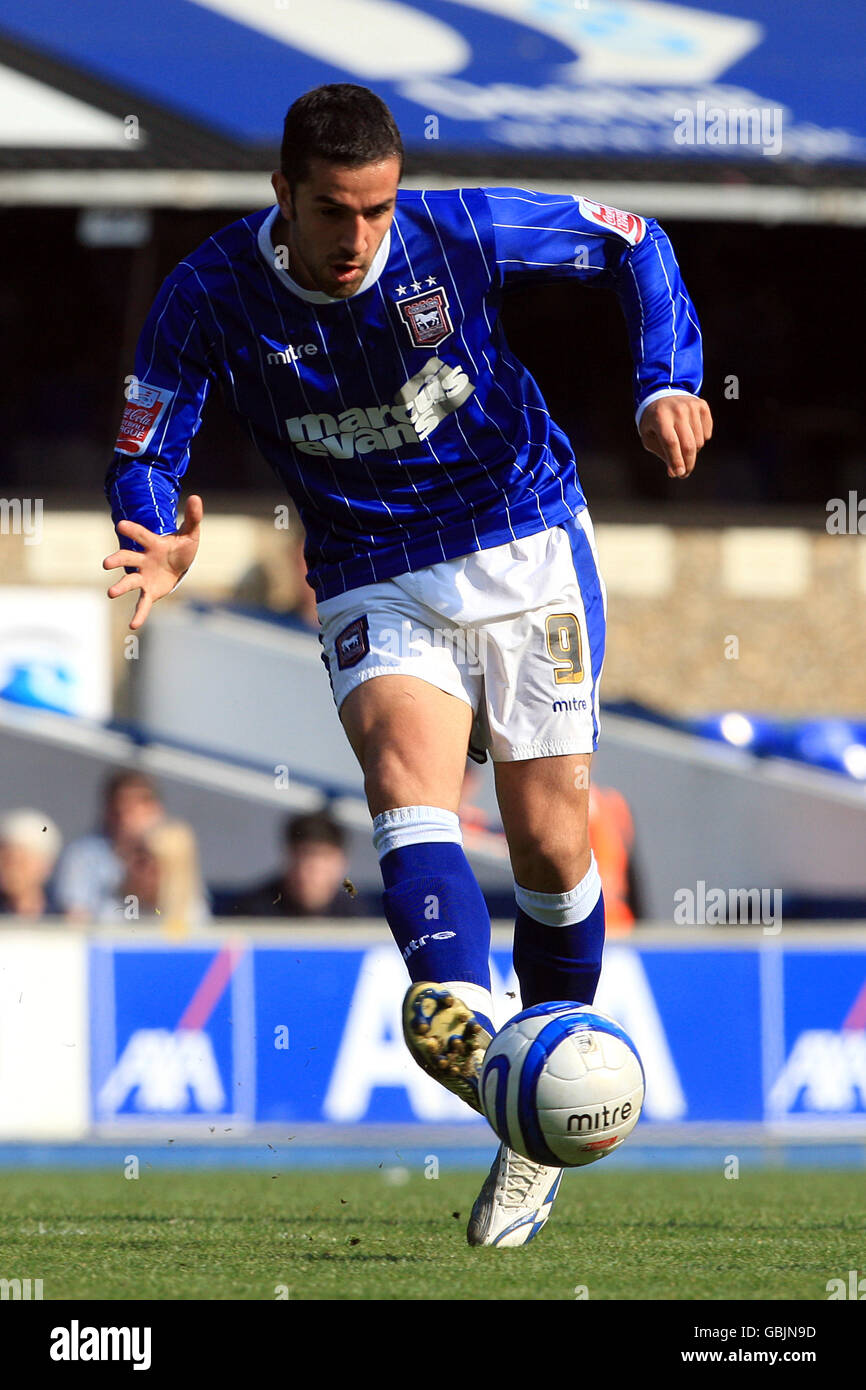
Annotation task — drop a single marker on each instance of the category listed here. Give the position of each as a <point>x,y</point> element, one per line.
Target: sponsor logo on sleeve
<point>627,224</point>
<point>141,417</point>
<point>353,643</point>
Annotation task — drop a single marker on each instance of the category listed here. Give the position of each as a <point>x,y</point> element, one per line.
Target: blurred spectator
<point>161,879</point>
<point>278,581</point>
<point>611,838</point>
<point>310,883</point>
<point>480,830</point>
<point>92,868</point>
<point>472,816</point>
<point>29,846</point>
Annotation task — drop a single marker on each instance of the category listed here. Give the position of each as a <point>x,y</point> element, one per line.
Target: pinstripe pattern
<point>376,498</point>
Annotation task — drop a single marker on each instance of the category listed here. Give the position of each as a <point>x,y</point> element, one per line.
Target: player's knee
<point>552,860</point>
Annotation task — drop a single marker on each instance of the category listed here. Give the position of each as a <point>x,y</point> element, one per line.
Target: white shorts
<point>517,632</point>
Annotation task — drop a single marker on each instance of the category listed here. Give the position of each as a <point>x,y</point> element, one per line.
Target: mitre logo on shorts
<point>352,643</point>
<point>426,317</point>
<point>143,412</point>
<point>629,226</point>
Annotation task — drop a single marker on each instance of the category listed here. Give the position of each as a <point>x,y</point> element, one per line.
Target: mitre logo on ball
<point>426,317</point>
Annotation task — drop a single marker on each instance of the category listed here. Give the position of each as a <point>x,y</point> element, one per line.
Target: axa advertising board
<point>251,1031</point>
<point>234,1034</point>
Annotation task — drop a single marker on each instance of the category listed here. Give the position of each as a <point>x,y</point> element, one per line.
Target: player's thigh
<point>410,738</point>
<point>404,698</point>
<point>542,674</point>
<point>544,804</point>
<point>543,663</point>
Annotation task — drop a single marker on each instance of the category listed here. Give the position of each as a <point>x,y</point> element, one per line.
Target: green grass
<point>237,1235</point>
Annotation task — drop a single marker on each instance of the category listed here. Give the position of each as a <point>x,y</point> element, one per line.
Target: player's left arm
<point>540,236</point>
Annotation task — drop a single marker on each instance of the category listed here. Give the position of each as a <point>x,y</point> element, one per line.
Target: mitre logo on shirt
<point>629,226</point>
<point>291,353</point>
<point>142,414</point>
<point>418,407</point>
<point>426,317</point>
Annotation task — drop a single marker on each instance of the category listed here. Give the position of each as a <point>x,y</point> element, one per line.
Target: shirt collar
<point>267,249</point>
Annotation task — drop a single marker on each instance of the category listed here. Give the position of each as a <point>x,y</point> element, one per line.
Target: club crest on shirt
<point>141,416</point>
<point>352,643</point>
<point>426,317</point>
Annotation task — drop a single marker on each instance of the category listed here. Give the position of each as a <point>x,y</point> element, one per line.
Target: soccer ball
<point>562,1084</point>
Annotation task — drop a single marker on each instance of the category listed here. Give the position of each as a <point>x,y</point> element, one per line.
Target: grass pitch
<point>628,1234</point>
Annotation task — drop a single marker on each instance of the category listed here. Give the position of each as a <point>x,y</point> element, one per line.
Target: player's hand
<point>675,428</point>
<point>160,563</point>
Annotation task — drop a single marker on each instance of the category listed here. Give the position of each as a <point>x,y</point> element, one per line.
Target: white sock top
<point>415,825</point>
<point>561,909</point>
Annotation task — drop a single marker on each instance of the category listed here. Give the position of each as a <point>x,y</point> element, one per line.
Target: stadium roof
<point>741,109</point>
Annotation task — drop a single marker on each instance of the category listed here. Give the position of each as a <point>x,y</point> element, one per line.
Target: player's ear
<point>280,185</point>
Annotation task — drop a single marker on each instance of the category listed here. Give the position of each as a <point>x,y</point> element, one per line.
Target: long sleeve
<point>165,398</point>
<point>539,236</point>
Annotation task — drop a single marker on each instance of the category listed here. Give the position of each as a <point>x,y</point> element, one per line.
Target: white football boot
<point>448,1043</point>
<point>514,1202</point>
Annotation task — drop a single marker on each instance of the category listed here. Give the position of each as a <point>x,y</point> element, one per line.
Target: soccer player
<point>354,326</point>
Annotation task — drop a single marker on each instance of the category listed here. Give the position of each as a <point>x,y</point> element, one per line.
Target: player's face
<point>336,221</point>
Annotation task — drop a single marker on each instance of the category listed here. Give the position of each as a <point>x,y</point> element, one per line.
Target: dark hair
<point>315,828</point>
<point>342,123</point>
<point>127,777</point>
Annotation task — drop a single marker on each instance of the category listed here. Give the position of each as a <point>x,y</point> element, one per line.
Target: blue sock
<point>559,957</point>
<point>437,913</point>
<point>433,904</point>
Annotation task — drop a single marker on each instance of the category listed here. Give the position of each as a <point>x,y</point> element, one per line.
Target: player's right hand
<point>160,564</point>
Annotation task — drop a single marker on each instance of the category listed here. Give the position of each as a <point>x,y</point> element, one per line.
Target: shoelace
<point>520,1174</point>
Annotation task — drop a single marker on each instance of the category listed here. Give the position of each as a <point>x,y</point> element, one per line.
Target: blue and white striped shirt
<point>404,429</point>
